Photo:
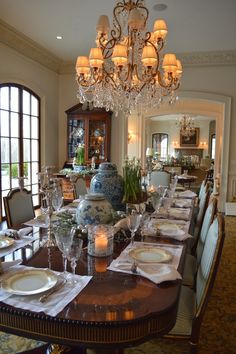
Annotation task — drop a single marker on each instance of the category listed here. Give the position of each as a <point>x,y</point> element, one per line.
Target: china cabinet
<point>91,129</point>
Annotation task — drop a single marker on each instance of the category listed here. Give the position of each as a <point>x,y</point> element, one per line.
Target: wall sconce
<point>203,144</point>
<point>130,136</point>
<point>175,143</point>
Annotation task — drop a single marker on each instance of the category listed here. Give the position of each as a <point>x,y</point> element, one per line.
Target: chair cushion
<point>186,312</point>
<point>10,343</point>
<point>190,269</point>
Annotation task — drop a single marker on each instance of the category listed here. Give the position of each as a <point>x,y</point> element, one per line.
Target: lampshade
<point>179,68</point>
<point>119,56</point>
<point>95,58</point>
<point>103,24</point>
<point>82,65</point>
<point>149,151</point>
<point>149,57</point>
<point>169,63</point>
<point>160,29</point>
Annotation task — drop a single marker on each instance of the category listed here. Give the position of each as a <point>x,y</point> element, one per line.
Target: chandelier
<point>186,124</point>
<point>125,72</point>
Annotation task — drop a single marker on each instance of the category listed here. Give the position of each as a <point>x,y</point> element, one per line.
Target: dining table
<point>113,311</point>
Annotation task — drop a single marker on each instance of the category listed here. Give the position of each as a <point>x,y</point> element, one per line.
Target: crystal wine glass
<point>64,237</point>
<point>57,200</point>
<point>73,255</point>
<point>133,222</point>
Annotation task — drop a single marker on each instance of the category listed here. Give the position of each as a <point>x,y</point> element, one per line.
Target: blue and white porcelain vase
<point>110,183</point>
<point>94,209</point>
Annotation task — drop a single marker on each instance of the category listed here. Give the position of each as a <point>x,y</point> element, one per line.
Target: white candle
<point>101,243</point>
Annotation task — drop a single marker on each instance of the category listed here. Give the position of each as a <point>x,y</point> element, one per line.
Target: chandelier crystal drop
<point>125,72</point>
<point>186,124</point>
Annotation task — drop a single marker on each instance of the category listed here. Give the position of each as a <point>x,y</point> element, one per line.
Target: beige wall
<point>16,68</point>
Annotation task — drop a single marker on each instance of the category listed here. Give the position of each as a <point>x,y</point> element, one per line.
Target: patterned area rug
<point>218,330</point>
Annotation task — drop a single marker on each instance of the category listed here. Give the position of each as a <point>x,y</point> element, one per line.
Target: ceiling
<point>173,117</point>
<point>194,25</point>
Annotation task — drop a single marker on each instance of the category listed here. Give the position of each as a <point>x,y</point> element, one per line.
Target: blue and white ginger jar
<point>94,209</point>
<point>108,182</point>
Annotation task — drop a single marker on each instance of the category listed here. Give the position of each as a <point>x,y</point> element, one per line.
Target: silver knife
<point>57,287</point>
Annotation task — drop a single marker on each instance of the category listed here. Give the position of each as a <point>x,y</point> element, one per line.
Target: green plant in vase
<point>80,155</point>
<point>132,175</point>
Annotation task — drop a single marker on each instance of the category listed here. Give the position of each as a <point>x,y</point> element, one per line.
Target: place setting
<point>154,261</point>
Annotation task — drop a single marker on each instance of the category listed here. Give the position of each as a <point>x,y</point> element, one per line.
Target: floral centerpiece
<point>132,175</point>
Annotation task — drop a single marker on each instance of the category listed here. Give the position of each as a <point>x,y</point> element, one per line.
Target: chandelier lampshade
<point>125,70</point>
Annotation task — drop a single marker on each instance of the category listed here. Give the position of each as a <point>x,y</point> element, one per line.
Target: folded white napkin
<point>179,213</point>
<point>121,224</point>
<point>25,231</point>
<point>177,232</point>
<point>182,203</point>
<point>156,272</point>
<point>55,302</point>
<point>185,194</point>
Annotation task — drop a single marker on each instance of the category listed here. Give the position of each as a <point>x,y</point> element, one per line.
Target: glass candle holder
<point>100,240</point>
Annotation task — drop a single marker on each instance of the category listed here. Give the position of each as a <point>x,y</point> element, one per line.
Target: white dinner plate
<point>6,242</point>
<point>29,282</point>
<point>150,255</point>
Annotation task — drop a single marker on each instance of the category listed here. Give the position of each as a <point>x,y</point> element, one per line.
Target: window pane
<point>15,150</point>
<point>34,127</point>
<point>4,123</point>
<point>15,174</point>
<point>35,200</point>
<point>27,173</point>
<point>26,126</point>
<point>4,194</point>
<point>26,102</point>
<point>35,150</point>
<point>15,99</point>
<point>5,176</point>
<point>35,188</point>
<point>34,106</point>
<point>26,149</point>
<point>15,125</point>
<point>4,98</point>
<point>5,150</point>
<point>35,170</point>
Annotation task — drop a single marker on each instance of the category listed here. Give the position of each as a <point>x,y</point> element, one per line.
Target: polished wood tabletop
<point>114,309</point>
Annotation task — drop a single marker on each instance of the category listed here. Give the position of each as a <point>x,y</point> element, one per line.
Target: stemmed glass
<point>133,222</point>
<point>73,255</point>
<point>64,237</point>
<point>157,201</point>
<point>57,200</point>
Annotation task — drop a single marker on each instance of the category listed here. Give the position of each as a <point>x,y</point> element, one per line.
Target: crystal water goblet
<point>64,237</point>
<point>57,200</point>
<point>73,256</point>
<point>133,222</point>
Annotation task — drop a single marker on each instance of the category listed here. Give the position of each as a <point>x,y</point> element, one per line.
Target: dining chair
<point>10,343</point>
<point>80,187</point>
<point>18,207</point>
<point>160,178</point>
<point>192,261</point>
<point>193,303</point>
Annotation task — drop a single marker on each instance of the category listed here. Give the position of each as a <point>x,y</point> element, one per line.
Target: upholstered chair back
<point>160,178</point>
<point>80,187</point>
<point>19,207</point>
<point>209,261</point>
<point>208,219</point>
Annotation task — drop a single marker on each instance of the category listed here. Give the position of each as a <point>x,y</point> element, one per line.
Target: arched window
<point>160,144</point>
<point>19,139</point>
<point>213,146</point>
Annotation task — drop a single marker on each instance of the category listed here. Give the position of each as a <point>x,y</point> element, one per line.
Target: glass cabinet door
<point>76,135</point>
<point>97,134</point>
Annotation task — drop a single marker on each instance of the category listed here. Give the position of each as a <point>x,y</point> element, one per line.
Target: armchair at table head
<point>160,178</point>
<point>80,187</point>
<point>18,207</point>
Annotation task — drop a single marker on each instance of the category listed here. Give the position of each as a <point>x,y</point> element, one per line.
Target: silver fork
<point>57,287</point>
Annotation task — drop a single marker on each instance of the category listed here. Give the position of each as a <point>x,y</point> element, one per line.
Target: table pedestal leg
<point>105,351</point>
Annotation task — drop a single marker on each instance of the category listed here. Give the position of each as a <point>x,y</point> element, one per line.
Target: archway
<point>196,103</point>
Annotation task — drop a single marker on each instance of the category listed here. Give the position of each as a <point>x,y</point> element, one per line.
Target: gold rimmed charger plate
<point>150,255</point>
<point>29,282</point>
<point>6,242</point>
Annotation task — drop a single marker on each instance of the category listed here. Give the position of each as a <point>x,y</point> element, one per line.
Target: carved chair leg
<point>193,348</point>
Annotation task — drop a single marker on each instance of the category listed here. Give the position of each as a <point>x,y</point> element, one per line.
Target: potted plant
<point>132,174</point>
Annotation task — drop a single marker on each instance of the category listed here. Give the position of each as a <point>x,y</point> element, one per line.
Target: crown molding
<point>213,58</point>
<point>26,46</point>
